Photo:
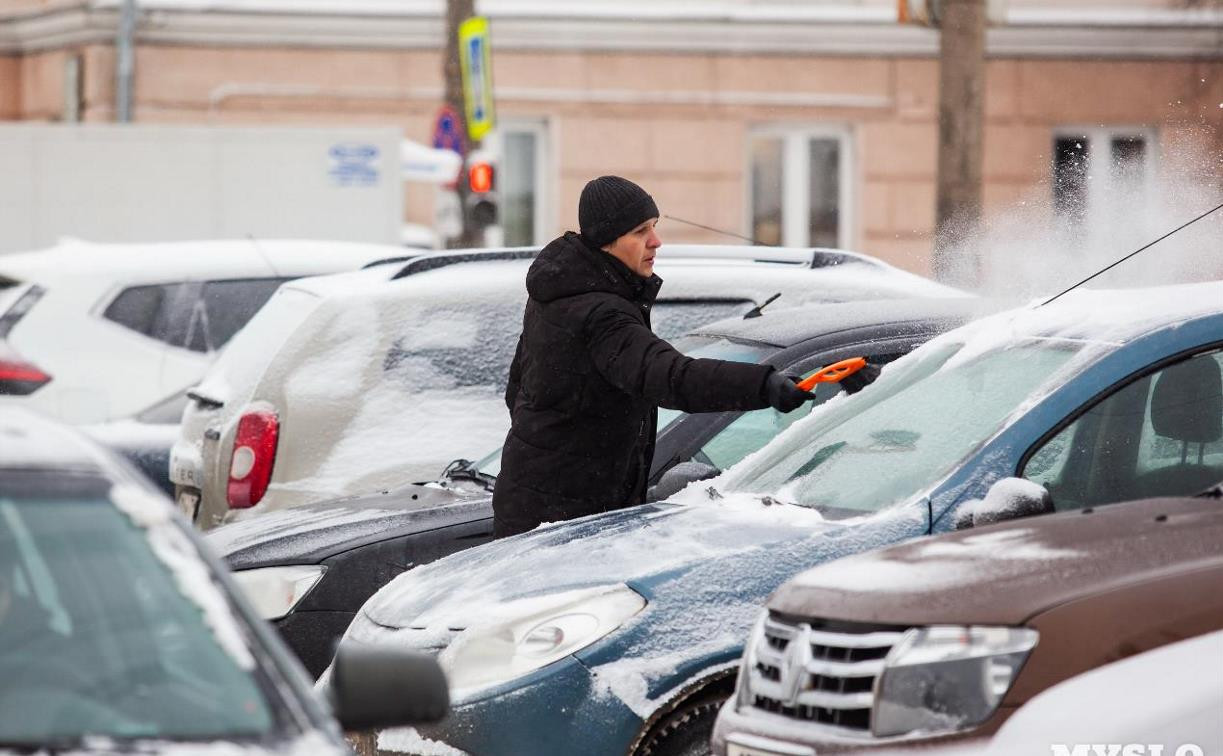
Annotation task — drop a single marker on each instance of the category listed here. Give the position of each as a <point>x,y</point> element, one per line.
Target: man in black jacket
<point>589,374</point>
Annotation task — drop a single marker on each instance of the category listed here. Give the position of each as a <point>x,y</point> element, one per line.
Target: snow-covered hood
<point>1006,573</point>
<point>643,547</point>
<point>314,532</point>
<point>310,744</point>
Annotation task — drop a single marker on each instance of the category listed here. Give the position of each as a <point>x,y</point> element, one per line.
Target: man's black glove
<point>859,380</point>
<point>783,395</point>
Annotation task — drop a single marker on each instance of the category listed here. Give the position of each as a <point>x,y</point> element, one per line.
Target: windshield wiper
<point>461,469</point>
<point>755,311</point>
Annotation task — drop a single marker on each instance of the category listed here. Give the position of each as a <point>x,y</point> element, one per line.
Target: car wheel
<point>685,731</point>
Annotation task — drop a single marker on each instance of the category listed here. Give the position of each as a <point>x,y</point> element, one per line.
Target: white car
<point>111,328</point>
<point>357,383</point>
<point>1165,701</point>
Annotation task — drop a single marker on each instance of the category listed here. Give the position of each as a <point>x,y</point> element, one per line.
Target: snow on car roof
<point>178,261</point>
<point>28,440</point>
<point>1102,316</point>
<point>786,327</point>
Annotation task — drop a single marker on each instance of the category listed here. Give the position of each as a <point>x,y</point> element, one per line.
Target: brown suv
<point>945,637</point>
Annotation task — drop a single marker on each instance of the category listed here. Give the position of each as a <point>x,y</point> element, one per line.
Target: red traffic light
<point>480,178</point>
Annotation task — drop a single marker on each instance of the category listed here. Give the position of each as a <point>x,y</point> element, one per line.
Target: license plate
<point>189,502</point>
<point>184,468</point>
<point>737,749</point>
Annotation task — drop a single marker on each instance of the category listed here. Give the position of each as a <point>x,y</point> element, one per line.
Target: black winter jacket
<point>585,385</point>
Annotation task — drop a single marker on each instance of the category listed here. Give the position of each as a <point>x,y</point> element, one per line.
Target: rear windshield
<point>101,636</point>
<point>252,348</point>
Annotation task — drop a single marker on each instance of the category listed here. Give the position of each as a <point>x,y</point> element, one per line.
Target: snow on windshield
<point>191,574</point>
<point>312,743</point>
<point>916,421</point>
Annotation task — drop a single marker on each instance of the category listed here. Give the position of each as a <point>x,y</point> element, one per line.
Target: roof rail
<point>422,263</point>
<point>388,261</point>
<point>823,257</point>
<point>817,257</point>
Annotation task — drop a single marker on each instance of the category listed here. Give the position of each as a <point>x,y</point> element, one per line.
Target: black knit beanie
<point>610,207</point>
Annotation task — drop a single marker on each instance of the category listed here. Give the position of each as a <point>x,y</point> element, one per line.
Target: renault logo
<point>794,665</point>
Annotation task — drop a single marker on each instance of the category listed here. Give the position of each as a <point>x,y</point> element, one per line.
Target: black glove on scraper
<point>857,381</point>
<point>783,395</point>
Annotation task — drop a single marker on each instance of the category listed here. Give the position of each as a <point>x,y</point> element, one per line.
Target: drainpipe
<point>125,67</point>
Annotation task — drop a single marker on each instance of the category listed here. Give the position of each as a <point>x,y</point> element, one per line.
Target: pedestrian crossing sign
<point>475,62</point>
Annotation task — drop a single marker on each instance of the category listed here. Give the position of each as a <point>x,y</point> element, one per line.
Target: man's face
<point>637,248</point>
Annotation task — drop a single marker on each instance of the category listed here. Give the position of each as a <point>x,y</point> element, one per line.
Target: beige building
<point>799,122</point>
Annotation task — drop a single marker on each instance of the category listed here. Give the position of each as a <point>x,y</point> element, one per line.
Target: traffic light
<point>481,190</point>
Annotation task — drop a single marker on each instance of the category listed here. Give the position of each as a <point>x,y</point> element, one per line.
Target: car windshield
<point>693,346</point>
<point>248,354</point>
<point>107,632</point>
<point>920,420</point>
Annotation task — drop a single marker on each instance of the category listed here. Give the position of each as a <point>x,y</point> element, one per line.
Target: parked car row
<point>370,381</point>
<point>1019,499</point>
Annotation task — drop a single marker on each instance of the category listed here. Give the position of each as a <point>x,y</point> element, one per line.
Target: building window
<point>522,182</point>
<point>1094,167</point>
<point>799,187</point>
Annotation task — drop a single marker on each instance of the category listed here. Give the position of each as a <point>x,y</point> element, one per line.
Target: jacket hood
<point>569,266</point>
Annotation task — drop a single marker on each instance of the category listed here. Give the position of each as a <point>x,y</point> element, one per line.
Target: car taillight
<point>250,467</point>
<point>18,378</point>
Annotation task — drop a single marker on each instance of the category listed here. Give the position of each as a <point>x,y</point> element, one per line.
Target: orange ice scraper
<point>833,373</point>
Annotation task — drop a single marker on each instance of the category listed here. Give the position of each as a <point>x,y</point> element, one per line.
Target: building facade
<point>802,123</point>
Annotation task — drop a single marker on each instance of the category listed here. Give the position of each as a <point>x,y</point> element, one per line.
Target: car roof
<point>999,574</point>
<point>190,260</point>
<point>31,441</point>
<point>787,327</point>
<point>1110,316</point>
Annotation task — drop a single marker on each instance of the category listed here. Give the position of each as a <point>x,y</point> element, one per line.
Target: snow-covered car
<point>114,327</point>
<point>622,632</point>
<point>944,638</point>
<point>1161,702</point>
<point>318,563</point>
<point>121,633</point>
<point>357,385</point>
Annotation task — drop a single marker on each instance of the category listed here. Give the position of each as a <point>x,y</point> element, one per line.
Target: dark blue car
<point>619,633</point>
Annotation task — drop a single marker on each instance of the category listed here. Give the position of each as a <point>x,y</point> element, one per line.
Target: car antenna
<point>1140,249</point>
<point>756,242</point>
<point>755,311</point>
<point>266,260</point>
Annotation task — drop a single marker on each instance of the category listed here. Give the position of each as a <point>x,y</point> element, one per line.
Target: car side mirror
<point>1007,499</point>
<point>679,477</point>
<point>375,687</point>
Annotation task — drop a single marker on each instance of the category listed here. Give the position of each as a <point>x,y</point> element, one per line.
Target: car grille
<point>831,681</point>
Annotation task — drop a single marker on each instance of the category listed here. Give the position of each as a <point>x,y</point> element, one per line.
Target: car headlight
<point>946,678</point>
<point>532,633</point>
<point>743,686</point>
<point>276,590</point>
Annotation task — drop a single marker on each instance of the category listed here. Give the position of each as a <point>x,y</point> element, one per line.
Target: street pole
<point>125,64</point>
<point>960,139</point>
<point>458,11</point>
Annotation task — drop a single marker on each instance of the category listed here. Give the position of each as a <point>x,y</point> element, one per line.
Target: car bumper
<point>759,733</point>
<point>557,712</point>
